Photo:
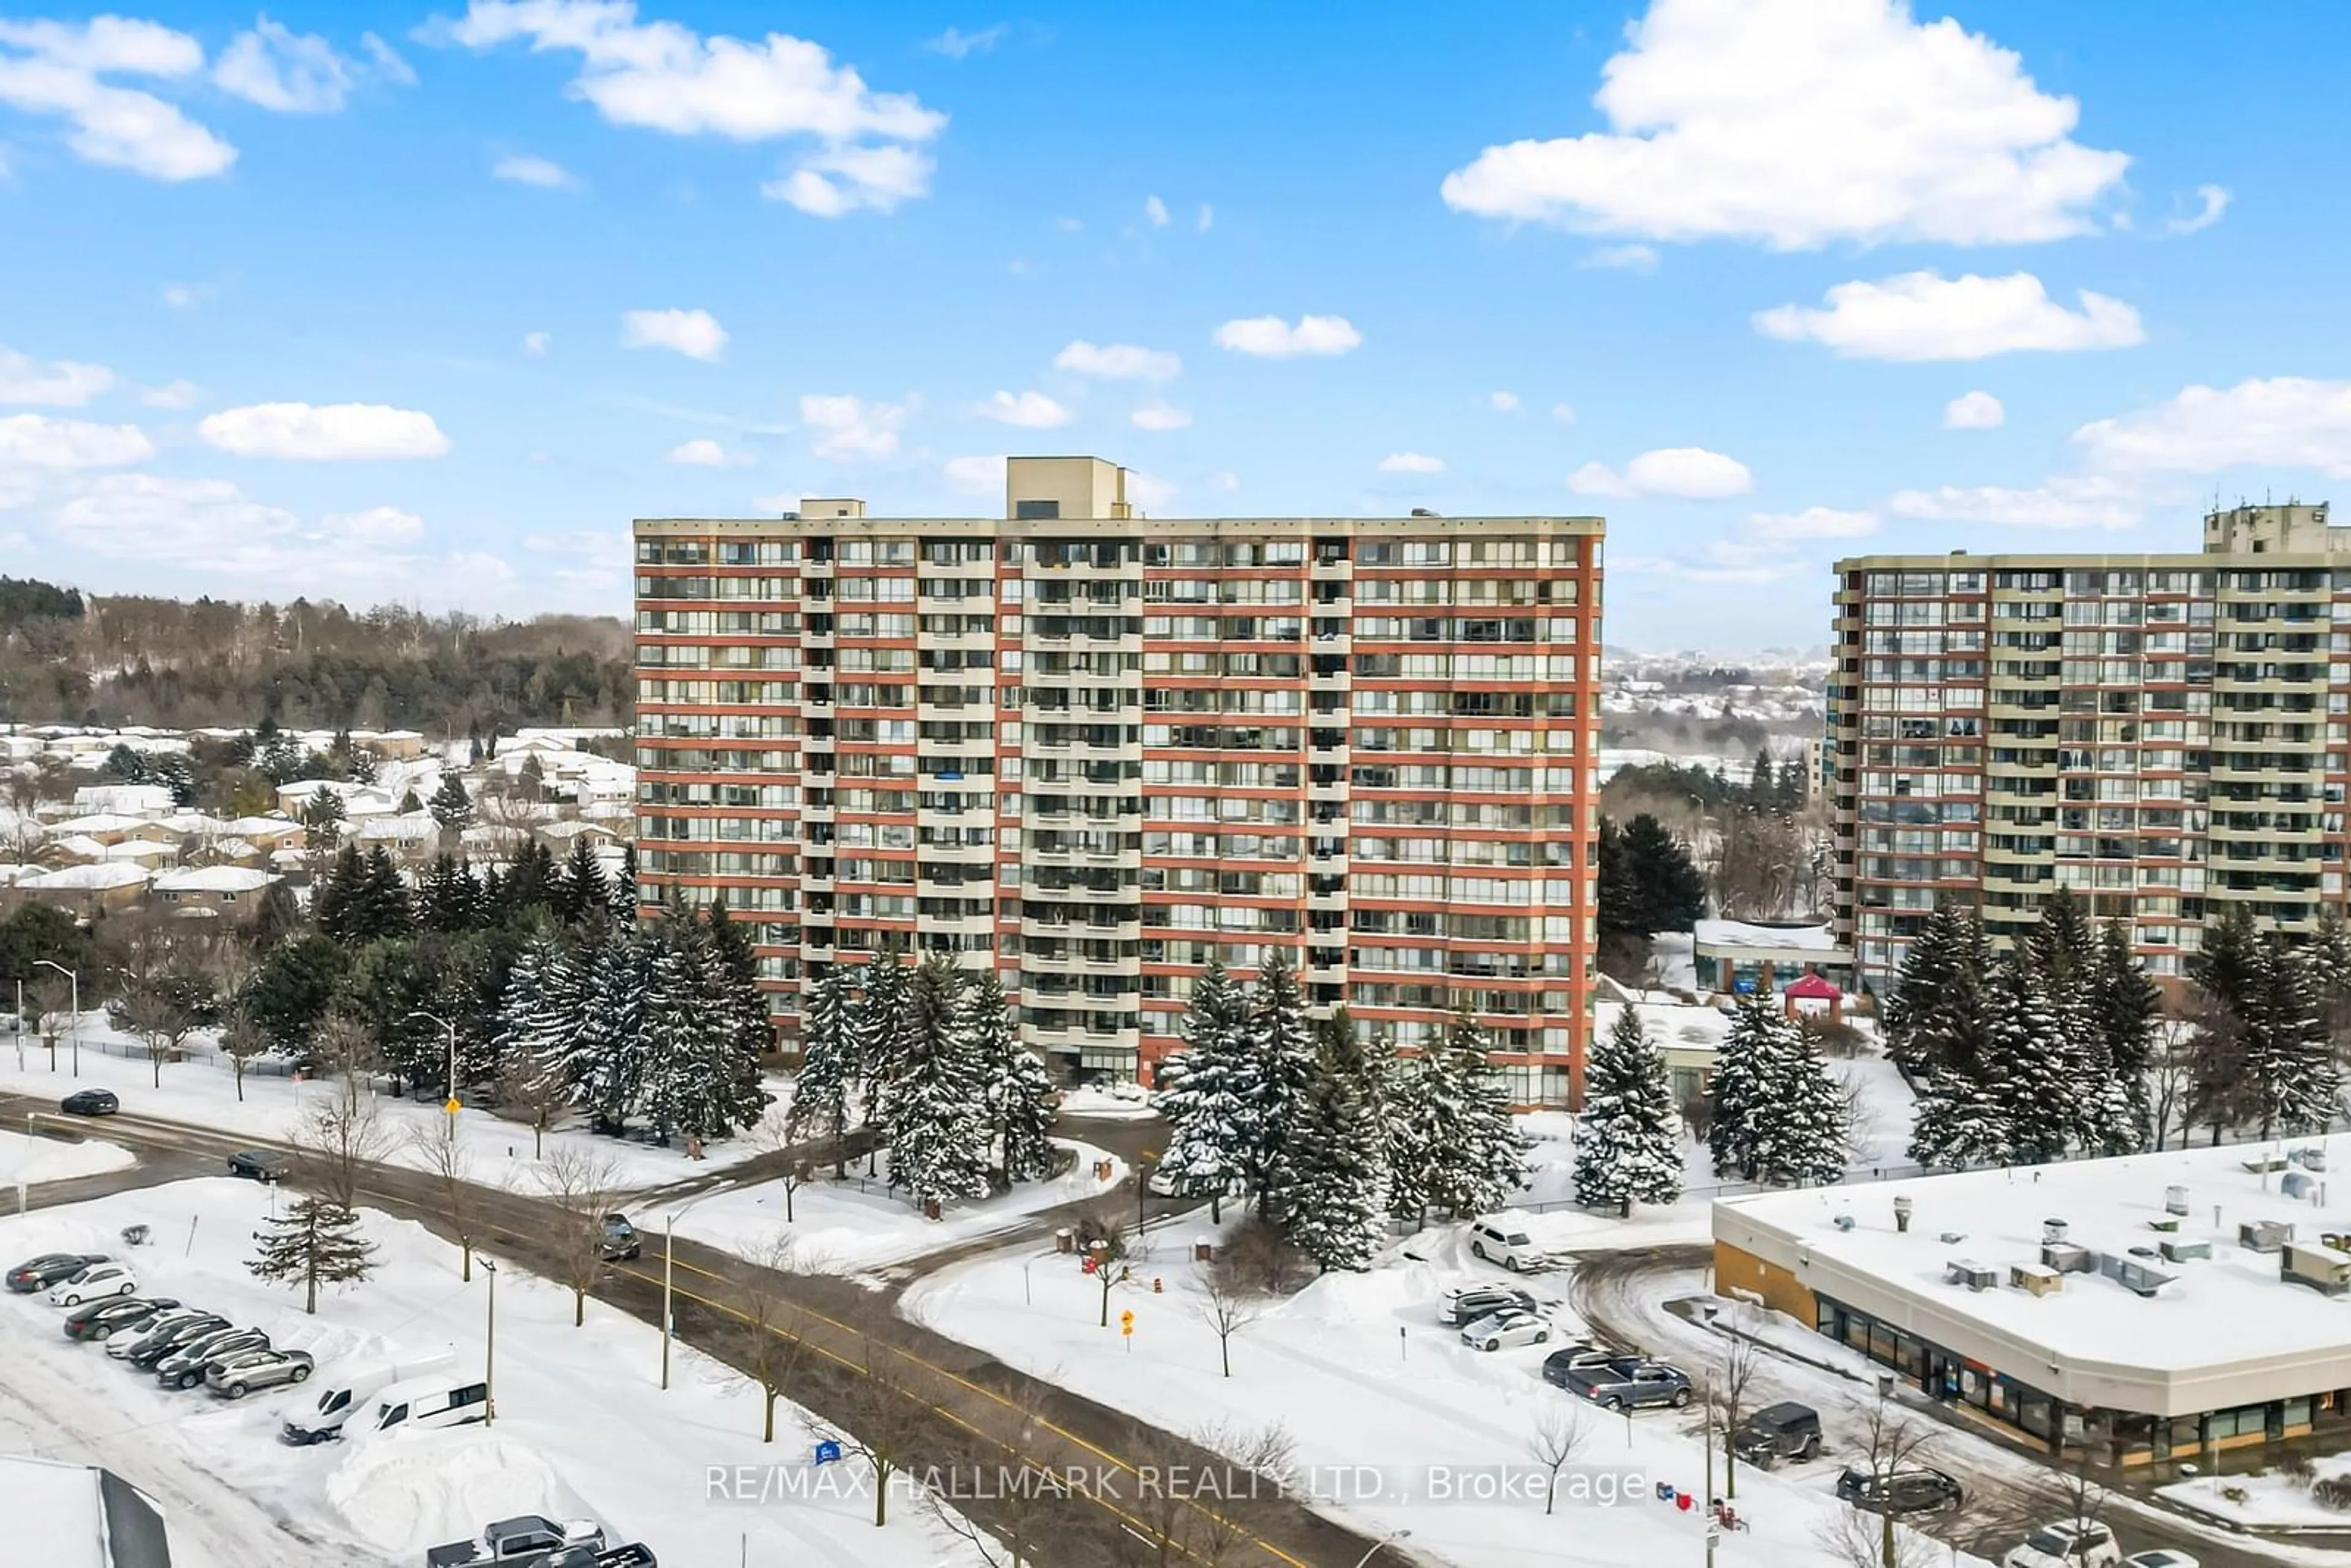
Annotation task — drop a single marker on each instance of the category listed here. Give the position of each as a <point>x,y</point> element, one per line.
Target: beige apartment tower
<point>2161,734</point>
<point>1091,748</point>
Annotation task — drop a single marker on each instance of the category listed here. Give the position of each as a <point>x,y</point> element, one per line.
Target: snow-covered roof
<point>57,1516</point>
<point>262,827</point>
<point>139,850</point>
<point>1671,1025</point>
<point>1748,934</point>
<point>100,822</point>
<point>402,827</point>
<point>95,877</point>
<point>80,846</point>
<point>572,828</point>
<point>194,823</point>
<point>214,879</point>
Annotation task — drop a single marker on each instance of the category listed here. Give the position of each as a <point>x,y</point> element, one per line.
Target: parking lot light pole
<point>449,1080</point>
<point>490,1352</point>
<point>76,981</point>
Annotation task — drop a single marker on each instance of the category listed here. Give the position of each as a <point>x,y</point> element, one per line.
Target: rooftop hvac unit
<point>2298,1184</point>
<point>2052,1232</point>
<point>2139,1278</point>
<point>2310,1156</point>
<point>2321,1268</point>
<point>1974,1276</point>
<point>2180,1251</point>
<point>2069,1257</point>
<point>1952,1238</point>
<point>2035,1279</point>
<point>2264,1235</point>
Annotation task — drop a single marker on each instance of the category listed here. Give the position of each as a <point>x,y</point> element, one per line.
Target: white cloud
<point>1147,490</point>
<point>2211,202</point>
<point>328,432</point>
<point>976,476</point>
<point>60,384</point>
<point>1208,218</point>
<point>705,452</point>
<point>1923,316</point>
<point>1159,416</point>
<point>376,525</point>
<point>1974,411</point>
<point>388,63</point>
<point>280,69</point>
<point>171,394</point>
<point>841,180</point>
<point>664,75</point>
<point>182,296</point>
<point>958,45</point>
<point>36,440</point>
<point>55,69</point>
<point>1502,402</point>
<point>1801,123</point>
<point>1623,259</point>
<point>697,334</point>
<point>1812,523</point>
<point>1723,561</point>
<point>1223,479</point>
<point>1686,473</point>
<point>1562,413</point>
<point>2284,421</point>
<point>847,428</point>
<point>1118,362</point>
<point>535,344</point>
<point>1411,462</point>
<point>524,169</point>
<point>2058,504</point>
<point>1154,212</point>
<point>1271,337</point>
<point>1029,410</point>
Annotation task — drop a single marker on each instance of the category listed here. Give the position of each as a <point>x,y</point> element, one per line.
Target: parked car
<point>621,1241</point>
<point>1501,1241</point>
<point>528,1537</point>
<point>346,1392</point>
<point>1467,1303</point>
<point>38,1273</point>
<point>90,1103</point>
<point>1631,1385</point>
<point>260,1165</point>
<point>103,1319</point>
<point>98,1279</point>
<point>185,1367</point>
<point>1784,1431</point>
<point>1507,1327</point>
<point>1907,1489</point>
<point>238,1375</point>
<point>166,1335</point>
<point>2164,1558</point>
<point>1574,1358</point>
<point>430,1401</point>
<point>2069,1543</point>
<point>636,1554</point>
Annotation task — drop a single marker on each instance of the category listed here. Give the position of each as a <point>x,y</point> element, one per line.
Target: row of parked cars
<point>182,1346</point>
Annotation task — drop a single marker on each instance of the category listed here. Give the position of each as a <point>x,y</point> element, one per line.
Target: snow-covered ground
<point>582,1426</point>
<point>1119,1101</point>
<point>202,1092</point>
<point>849,1227</point>
<point>29,1162</point>
<point>2269,1501</point>
<point>1359,1372</point>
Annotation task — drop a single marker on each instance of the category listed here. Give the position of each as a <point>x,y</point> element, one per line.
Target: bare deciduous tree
<point>1733,1376</point>
<point>1228,1306</point>
<point>578,1181</point>
<point>886,1414</point>
<point>767,1339</point>
<point>1890,1442</point>
<point>1183,1515</point>
<point>339,1133</point>
<point>1558,1434</point>
<point>450,1163</point>
<point>529,1095</point>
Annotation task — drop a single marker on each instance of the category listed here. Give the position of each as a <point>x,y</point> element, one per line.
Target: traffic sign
<point>453,1107</point>
<point>1126,1322</point>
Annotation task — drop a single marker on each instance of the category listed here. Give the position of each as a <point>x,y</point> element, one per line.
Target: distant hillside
<point>71,657</point>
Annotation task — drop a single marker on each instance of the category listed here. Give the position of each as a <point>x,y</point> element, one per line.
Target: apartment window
<point>1036,511</point>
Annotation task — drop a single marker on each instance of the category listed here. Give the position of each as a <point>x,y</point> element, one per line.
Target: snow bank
<point>406,1494</point>
<point>33,1161</point>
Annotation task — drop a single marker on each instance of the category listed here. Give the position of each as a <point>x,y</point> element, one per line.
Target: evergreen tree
<point>1477,1156</point>
<point>2224,975</point>
<point>1410,1127</point>
<point>2293,1076</point>
<point>1661,884</point>
<point>2127,1007</point>
<point>1628,1141</point>
<point>580,888</point>
<point>1014,1085</point>
<point>1760,790</point>
<point>381,904</point>
<point>2029,1061</point>
<point>315,1241</point>
<point>1281,1065</point>
<point>597,1037</point>
<point>531,882</point>
<point>877,1030</point>
<point>1209,1133</point>
<point>1750,1071</point>
<point>1934,1017</point>
<point>932,1106</point>
<point>1959,1121</point>
<point>450,899</point>
<point>1812,1141</point>
<point>821,1094</point>
<point>1337,1175</point>
<point>339,899</point>
<point>622,903</point>
<point>700,1073</point>
<point>451,806</point>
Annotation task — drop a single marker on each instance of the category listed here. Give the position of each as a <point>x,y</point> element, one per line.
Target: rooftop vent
<point>2052,1232</point>
<point>2035,1280</point>
<point>2264,1235</point>
<point>2175,1200</point>
<point>1974,1276</point>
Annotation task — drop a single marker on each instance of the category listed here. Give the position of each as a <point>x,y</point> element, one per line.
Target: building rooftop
<point>1748,934</point>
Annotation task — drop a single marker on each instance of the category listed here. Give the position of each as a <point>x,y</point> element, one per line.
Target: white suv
<point>2068,1544</point>
<point>1501,1241</point>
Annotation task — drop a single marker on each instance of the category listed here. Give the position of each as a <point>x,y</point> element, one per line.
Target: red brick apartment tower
<point>1091,748</point>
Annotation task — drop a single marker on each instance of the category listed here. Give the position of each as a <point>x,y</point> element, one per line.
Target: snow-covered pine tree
<point>1811,1135</point>
<point>2061,942</point>
<point>936,1124</point>
<point>877,1034</point>
<point>1935,1016</point>
<point>1750,1071</point>
<point>581,890</point>
<point>2222,977</point>
<point>821,1094</point>
<point>1281,1058</point>
<point>2029,1061</point>
<point>1337,1172</point>
<point>1409,1130</point>
<point>2294,1076</point>
<point>451,806</point>
<point>1207,1109</point>
<point>1959,1122</point>
<point>1013,1083</point>
<point>607,1061</point>
<point>620,903</point>
<point>2128,1009</point>
<point>1628,1141</point>
<point>2062,954</point>
<point>315,1241</point>
<point>1478,1155</point>
<point>701,1070</point>
<point>450,900</point>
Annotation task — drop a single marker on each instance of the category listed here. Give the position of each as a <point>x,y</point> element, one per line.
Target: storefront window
<point>2297,1414</point>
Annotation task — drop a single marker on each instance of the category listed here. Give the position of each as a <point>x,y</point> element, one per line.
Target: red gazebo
<point>1812,987</point>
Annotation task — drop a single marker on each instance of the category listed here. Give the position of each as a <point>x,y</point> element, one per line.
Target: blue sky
<point>342,301</point>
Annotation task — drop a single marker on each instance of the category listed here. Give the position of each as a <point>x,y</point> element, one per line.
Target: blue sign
<point>827,1452</point>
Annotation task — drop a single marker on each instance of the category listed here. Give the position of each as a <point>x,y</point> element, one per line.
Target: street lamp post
<point>76,981</point>
<point>669,1275</point>
<point>449,1080</point>
<point>490,1351</point>
<point>1383,1541</point>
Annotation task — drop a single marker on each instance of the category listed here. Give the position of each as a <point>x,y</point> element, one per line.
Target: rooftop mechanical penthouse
<point>1092,748</point>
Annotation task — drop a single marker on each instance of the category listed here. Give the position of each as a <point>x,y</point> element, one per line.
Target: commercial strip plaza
<point>2148,1308</point>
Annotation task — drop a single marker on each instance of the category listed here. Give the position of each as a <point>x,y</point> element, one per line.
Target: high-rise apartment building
<point>1092,748</point>
<point>2158,733</point>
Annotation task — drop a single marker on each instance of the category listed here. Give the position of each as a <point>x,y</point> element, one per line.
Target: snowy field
<point>582,1427</point>
<point>30,1161</point>
<point>202,1092</point>
<point>849,1227</point>
<point>1360,1374</point>
<point>2270,1500</point>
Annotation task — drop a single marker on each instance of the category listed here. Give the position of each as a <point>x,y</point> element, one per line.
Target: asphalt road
<point>925,1401</point>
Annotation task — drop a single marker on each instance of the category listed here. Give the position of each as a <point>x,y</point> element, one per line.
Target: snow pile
<point>1124,1102</point>
<point>32,1161</point>
<point>405,1494</point>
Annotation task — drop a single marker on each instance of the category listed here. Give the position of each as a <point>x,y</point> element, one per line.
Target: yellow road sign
<point>453,1107</point>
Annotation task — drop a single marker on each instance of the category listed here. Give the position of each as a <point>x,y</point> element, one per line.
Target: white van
<point>347,1391</point>
<point>428,1402</point>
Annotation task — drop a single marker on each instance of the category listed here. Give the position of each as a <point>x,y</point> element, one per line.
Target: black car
<point>620,1241</point>
<point>1561,1364</point>
<point>1783,1431</point>
<point>39,1273</point>
<point>155,1347</point>
<point>261,1165</point>
<point>1908,1489</point>
<point>1463,1307</point>
<point>99,1321</point>
<point>90,1103</point>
